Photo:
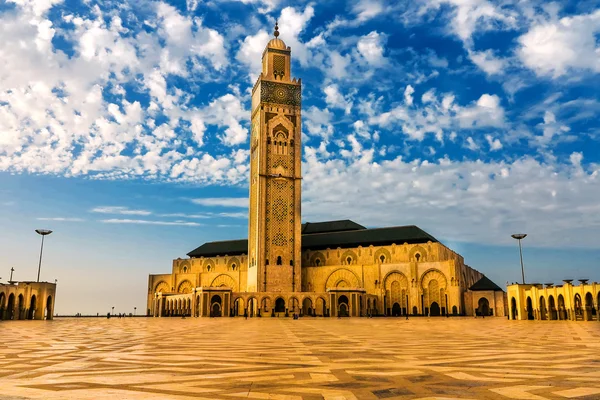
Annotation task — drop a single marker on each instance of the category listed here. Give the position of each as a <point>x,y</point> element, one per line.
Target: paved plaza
<point>310,358</point>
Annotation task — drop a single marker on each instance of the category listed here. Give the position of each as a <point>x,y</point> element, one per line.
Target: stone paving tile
<point>306,359</point>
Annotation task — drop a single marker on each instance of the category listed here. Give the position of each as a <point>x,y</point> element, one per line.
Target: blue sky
<point>124,127</point>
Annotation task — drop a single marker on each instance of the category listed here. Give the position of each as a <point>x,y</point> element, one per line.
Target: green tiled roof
<point>330,234</point>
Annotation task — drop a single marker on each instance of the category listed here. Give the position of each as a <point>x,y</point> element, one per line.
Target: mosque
<point>330,269</point>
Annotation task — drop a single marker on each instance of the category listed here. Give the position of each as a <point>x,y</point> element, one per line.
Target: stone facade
<point>27,300</point>
<point>554,302</point>
<point>275,272</point>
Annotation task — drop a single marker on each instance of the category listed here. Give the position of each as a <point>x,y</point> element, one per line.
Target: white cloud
<point>241,202</point>
<point>487,200</point>
<point>439,115</point>
<point>408,98</point>
<point>147,222</point>
<point>486,112</point>
<point>119,210</point>
<point>553,48</point>
<point>371,48</point>
<point>488,62</point>
<point>264,6</point>
<point>494,144</point>
<point>335,99</point>
<point>468,16</point>
<point>367,9</point>
<point>60,219</point>
<point>250,52</point>
<point>550,128</point>
<point>318,122</point>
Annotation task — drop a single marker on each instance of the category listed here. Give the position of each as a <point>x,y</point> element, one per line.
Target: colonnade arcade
<point>570,303</point>
<point>16,303</point>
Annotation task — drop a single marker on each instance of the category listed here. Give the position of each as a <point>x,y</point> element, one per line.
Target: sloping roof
<point>229,247</point>
<point>485,284</point>
<point>348,234</point>
<point>367,237</point>
<point>330,226</point>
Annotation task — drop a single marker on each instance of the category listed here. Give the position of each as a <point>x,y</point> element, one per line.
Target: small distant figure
<point>407,316</point>
<point>107,315</point>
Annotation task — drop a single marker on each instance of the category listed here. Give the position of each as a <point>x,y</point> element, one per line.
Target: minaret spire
<point>276,33</point>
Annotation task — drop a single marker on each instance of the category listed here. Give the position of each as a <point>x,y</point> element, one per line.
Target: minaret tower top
<point>276,59</point>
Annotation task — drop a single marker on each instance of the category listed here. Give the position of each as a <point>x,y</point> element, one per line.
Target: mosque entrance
<point>483,307</point>
<point>434,310</point>
<point>343,306</point>
<point>215,306</point>
<point>396,310</point>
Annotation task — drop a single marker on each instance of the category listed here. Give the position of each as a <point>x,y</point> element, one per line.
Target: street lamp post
<point>11,272</point>
<point>519,237</point>
<point>134,309</point>
<point>41,232</point>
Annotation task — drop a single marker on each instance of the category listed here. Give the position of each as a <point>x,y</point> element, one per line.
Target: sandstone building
<point>27,300</point>
<point>555,302</point>
<point>333,268</point>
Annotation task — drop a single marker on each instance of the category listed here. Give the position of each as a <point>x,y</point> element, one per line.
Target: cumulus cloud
<point>488,62</point>
<point>553,48</point>
<point>438,115</point>
<point>74,117</point>
<point>335,99</point>
<point>487,200</point>
<point>371,48</point>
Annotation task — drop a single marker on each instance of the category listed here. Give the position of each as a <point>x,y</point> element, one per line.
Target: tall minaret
<point>274,237</point>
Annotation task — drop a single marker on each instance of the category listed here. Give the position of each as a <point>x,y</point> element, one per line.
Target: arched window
<point>318,262</point>
<point>417,256</point>
<point>233,267</point>
<point>349,260</point>
<point>208,268</point>
<point>279,262</point>
<point>382,258</point>
<point>184,270</point>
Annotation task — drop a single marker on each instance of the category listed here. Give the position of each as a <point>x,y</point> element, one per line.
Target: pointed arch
<point>224,280</point>
<point>185,287</point>
<point>382,256</point>
<point>420,250</point>
<point>340,275</point>
<point>161,286</point>
<point>432,274</point>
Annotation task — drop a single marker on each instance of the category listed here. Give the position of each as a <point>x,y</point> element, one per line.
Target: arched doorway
<point>434,310</point>
<point>21,307</point>
<point>2,305</point>
<point>343,310</point>
<point>252,304</point>
<point>265,305</point>
<point>396,310</point>
<point>513,308</point>
<point>529,308</point>
<point>321,307</point>
<point>293,305</point>
<point>589,306</point>
<point>32,307</point>
<point>454,310</point>
<point>578,308</point>
<point>307,306</point>
<point>215,306</point>
<point>415,310</point>
<point>562,311</point>
<point>10,309</point>
<point>483,307</point>
<point>48,308</point>
<point>543,310</point>
<point>279,305</point>
<point>238,307</point>
<point>551,308</point>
